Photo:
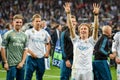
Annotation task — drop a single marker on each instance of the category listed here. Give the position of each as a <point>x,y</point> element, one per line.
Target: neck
<point>83,37</point>
<point>37,28</point>
<point>108,35</point>
<point>17,30</point>
<point>45,27</point>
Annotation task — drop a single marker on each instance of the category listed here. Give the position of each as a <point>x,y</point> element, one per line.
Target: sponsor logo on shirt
<point>17,44</point>
<point>37,40</point>
<point>82,48</point>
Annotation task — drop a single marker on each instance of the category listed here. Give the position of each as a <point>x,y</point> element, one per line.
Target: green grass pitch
<point>52,74</point>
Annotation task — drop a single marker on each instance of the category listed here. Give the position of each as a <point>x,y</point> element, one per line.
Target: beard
<point>18,27</point>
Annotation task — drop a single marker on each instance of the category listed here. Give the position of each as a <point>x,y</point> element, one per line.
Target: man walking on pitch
<point>14,50</point>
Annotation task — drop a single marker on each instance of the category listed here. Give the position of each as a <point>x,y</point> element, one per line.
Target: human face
<point>44,24</point>
<point>37,23</point>
<point>84,32</point>
<point>17,23</point>
<point>109,32</point>
<point>74,22</point>
<point>60,28</point>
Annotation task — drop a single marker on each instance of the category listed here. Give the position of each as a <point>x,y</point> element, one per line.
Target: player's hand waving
<point>96,8</point>
<point>67,7</point>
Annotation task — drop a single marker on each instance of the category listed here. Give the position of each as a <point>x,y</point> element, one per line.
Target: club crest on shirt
<point>42,35</point>
<point>33,31</point>
<point>13,34</point>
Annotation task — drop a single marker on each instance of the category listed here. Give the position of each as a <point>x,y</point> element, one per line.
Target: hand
<point>96,8</point>
<point>34,56</point>
<point>46,55</point>
<point>68,64</point>
<point>67,7</point>
<point>117,60</point>
<point>112,56</point>
<point>20,65</point>
<point>6,66</point>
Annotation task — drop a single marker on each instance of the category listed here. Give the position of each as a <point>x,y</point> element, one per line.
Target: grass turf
<point>52,74</point>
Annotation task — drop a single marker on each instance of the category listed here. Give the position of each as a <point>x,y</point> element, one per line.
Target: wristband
<point>68,12</point>
<point>5,61</point>
<point>95,14</point>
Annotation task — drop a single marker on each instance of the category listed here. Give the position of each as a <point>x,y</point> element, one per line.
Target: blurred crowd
<point>52,11</point>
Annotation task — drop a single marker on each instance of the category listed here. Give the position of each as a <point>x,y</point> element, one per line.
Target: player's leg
<point>30,68</point>
<point>20,73</point>
<point>11,73</point>
<point>65,72</point>
<point>40,69</point>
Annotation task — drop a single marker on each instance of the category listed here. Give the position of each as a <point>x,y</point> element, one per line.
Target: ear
<point>32,22</point>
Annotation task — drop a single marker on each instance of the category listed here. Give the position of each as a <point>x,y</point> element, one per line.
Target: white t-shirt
<point>116,43</point>
<point>83,50</point>
<point>37,41</point>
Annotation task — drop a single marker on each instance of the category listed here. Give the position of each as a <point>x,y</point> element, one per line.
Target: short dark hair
<point>57,26</point>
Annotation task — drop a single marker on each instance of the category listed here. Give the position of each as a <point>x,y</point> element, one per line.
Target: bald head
<point>107,30</point>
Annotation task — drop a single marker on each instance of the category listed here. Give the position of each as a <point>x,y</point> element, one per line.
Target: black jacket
<point>68,46</point>
<point>102,48</point>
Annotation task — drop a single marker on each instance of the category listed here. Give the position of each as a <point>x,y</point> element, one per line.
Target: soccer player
<point>83,45</point>
<point>38,48</point>
<point>116,52</point>
<point>14,50</point>
<point>101,51</point>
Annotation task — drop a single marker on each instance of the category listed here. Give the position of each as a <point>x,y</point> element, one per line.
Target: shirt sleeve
<point>102,47</point>
<point>92,41</point>
<point>5,40</point>
<point>115,42</point>
<point>47,38</point>
<point>27,38</point>
<point>26,42</point>
<point>75,39</point>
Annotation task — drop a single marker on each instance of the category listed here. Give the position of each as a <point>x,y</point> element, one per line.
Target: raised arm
<point>96,9</point>
<point>69,21</point>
